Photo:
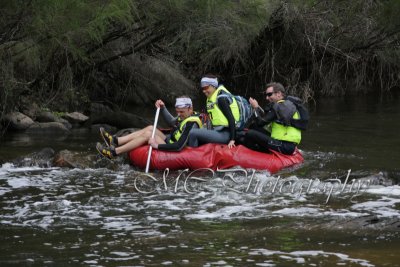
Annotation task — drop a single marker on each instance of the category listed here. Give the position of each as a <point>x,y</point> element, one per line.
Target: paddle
<point>152,136</point>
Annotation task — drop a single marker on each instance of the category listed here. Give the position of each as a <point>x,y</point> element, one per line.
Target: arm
<point>169,119</point>
<point>262,116</point>
<point>181,143</point>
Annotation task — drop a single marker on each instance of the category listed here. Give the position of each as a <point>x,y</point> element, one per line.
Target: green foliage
<point>331,46</point>
<point>213,31</point>
<point>68,26</point>
<point>49,49</point>
<point>46,41</point>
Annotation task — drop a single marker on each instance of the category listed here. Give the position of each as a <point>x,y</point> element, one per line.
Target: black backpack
<point>303,112</point>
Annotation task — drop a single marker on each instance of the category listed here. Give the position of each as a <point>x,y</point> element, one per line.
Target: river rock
<point>75,117</point>
<point>47,116</point>
<point>164,80</point>
<point>51,127</point>
<point>17,121</point>
<point>43,159</point>
<point>82,160</point>
<point>69,159</point>
<point>142,79</point>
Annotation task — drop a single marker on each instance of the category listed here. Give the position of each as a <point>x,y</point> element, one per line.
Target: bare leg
<point>128,138</point>
<point>141,140</point>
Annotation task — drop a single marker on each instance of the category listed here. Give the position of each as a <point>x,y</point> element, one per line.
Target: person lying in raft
<point>277,127</point>
<point>186,120</point>
<point>223,112</point>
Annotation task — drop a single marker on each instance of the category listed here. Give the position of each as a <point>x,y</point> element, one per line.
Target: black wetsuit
<point>259,139</point>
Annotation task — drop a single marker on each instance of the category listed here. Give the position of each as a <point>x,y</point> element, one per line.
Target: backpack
<point>245,110</point>
<point>301,123</point>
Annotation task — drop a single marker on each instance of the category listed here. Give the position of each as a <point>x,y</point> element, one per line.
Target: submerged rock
<point>43,158</point>
<point>69,159</point>
<point>83,160</point>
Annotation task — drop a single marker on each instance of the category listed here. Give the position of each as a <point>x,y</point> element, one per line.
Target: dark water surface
<point>96,217</point>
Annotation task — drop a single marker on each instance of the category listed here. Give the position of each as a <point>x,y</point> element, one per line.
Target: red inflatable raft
<point>214,156</point>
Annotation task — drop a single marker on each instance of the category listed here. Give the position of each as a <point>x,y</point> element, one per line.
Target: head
<point>274,92</point>
<point>183,107</point>
<point>209,84</point>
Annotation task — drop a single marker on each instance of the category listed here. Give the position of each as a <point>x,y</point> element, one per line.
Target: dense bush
<point>51,49</point>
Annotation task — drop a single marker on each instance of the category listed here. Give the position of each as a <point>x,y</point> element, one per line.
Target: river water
<point>121,217</point>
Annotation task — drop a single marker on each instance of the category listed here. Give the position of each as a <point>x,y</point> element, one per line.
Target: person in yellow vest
<point>223,112</point>
<point>186,120</point>
<point>272,129</point>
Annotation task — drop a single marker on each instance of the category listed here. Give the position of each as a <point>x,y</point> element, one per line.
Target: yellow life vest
<point>216,116</point>
<point>176,134</point>
<point>286,133</point>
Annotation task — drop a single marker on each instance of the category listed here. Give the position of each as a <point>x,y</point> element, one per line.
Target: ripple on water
<point>75,200</point>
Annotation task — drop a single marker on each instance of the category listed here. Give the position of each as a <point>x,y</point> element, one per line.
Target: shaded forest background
<point>65,54</point>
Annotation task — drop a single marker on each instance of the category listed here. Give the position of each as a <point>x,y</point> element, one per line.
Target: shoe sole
<point>101,154</point>
<point>104,139</point>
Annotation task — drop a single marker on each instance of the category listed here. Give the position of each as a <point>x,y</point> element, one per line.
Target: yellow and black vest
<point>181,125</point>
<point>286,133</point>
<point>216,116</point>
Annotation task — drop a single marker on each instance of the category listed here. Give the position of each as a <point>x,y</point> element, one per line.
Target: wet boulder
<point>83,160</point>
<point>70,159</point>
<point>17,121</point>
<point>75,118</point>
<point>47,116</point>
<point>42,158</point>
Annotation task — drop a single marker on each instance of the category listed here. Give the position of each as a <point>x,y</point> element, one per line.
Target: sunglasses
<point>269,94</point>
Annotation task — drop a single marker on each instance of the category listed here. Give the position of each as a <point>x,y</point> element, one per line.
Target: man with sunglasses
<point>272,128</point>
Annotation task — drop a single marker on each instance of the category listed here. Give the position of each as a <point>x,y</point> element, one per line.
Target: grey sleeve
<point>169,119</point>
<point>259,112</point>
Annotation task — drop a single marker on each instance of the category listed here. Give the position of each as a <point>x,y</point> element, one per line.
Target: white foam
<point>388,190</point>
<point>298,211</point>
<point>19,182</point>
<point>299,255</point>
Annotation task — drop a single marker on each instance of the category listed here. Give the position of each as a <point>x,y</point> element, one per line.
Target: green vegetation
<point>54,51</point>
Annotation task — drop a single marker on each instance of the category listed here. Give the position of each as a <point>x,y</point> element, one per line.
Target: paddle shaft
<point>152,136</point>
